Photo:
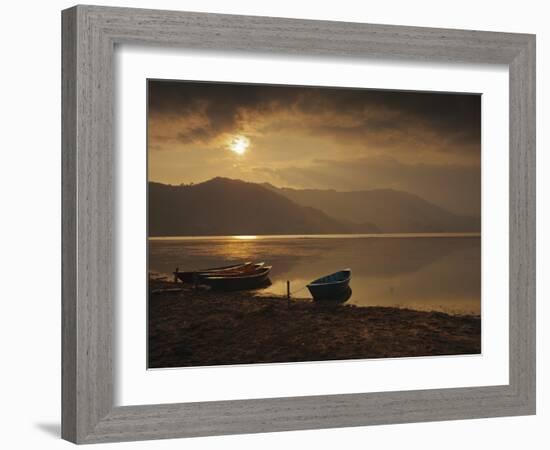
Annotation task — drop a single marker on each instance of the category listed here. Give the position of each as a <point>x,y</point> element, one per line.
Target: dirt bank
<point>200,327</point>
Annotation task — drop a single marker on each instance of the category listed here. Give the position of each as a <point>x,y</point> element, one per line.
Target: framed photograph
<point>275,192</point>
<point>268,222</point>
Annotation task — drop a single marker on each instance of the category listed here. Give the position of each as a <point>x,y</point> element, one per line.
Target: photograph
<point>294,224</point>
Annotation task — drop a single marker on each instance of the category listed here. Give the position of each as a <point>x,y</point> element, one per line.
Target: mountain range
<point>390,210</point>
<point>223,206</point>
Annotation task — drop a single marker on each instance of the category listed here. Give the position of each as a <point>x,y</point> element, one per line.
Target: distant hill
<point>222,206</point>
<point>390,210</point>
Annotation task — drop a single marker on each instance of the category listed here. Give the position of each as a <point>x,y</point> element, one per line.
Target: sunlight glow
<point>239,145</point>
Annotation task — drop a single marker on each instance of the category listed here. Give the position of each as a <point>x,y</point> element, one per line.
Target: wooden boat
<point>330,286</point>
<point>238,281</point>
<point>195,275</point>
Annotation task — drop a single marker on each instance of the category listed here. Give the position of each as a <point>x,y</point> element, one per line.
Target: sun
<point>239,145</point>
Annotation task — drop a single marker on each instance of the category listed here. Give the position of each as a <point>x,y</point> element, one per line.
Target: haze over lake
<point>424,272</point>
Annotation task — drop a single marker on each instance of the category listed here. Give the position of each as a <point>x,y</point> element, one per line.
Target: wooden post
<point>288,293</point>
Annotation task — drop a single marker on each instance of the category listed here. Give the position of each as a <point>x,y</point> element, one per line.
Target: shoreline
<point>200,327</point>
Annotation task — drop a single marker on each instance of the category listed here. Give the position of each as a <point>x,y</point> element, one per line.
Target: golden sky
<point>428,144</point>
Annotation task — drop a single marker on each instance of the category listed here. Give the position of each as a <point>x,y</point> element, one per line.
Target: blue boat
<point>330,286</point>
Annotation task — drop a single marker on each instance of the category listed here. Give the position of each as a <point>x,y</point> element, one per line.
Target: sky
<point>428,144</point>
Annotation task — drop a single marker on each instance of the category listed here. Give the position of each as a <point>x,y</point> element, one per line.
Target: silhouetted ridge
<point>390,210</point>
<point>222,206</point>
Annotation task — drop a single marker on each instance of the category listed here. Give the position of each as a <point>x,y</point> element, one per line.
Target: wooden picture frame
<point>90,34</point>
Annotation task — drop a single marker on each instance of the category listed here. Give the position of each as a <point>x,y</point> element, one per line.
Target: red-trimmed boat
<point>196,275</point>
<point>251,279</point>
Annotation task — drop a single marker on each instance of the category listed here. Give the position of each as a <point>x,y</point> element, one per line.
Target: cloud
<point>346,139</point>
<point>207,111</point>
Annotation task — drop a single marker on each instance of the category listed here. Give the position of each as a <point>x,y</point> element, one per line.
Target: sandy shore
<point>200,327</point>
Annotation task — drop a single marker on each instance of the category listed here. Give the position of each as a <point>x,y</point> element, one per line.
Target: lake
<point>440,272</point>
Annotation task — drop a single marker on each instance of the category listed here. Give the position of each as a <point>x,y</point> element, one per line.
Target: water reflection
<point>436,273</point>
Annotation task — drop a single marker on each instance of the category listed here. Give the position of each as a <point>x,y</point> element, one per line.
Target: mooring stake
<point>288,293</point>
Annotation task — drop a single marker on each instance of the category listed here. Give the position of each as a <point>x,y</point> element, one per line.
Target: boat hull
<point>329,291</point>
<point>335,286</point>
<point>193,276</point>
<point>256,280</point>
<point>338,299</point>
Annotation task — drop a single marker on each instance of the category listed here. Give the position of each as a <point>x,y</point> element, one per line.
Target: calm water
<point>422,272</point>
